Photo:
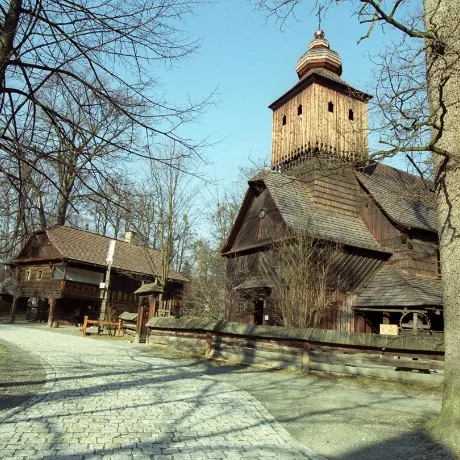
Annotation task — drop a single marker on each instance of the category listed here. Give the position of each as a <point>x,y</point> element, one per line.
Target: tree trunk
<point>13,309</point>
<point>443,74</point>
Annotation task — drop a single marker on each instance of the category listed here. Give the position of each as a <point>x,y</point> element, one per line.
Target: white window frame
<point>39,276</point>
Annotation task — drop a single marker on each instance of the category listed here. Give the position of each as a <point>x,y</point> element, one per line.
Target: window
<point>27,277</point>
<point>240,307</point>
<point>330,107</point>
<point>39,275</point>
<point>284,120</point>
<point>299,110</point>
<point>351,115</point>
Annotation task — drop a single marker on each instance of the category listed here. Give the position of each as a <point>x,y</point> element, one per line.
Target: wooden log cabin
<point>322,183</point>
<point>66,270</point>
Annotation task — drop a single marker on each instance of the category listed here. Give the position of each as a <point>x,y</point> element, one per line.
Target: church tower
<point>321,115</point>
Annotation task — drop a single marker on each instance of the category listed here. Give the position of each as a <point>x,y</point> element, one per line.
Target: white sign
<point>267,317</point>
<point>111,251</point>
<point>389,329</point>
<point>102,285</point>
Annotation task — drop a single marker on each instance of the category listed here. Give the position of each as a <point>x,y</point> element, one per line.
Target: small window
<point>28,273</point>
<point>330,107</point>
<point>299,110</point>
<point>39,275</point>
<point>284,120</point>
<point>240,308</point>
<point>351,115</point>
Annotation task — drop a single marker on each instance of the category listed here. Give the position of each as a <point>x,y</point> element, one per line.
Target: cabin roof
<point>91,248</point>
<point>407,199</point>
<point>324,77</point>
<point>149,288</point>
<point>300,214</point>
<point>128,316</point>
<point>391,287</point>
<point>257,283</point>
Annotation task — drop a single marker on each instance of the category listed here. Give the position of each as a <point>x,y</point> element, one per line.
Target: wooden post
<point>152,303</point>
<point>52,303</point>
<point>119,328</point>
<point>306,357</point>
<point>139,323</point>
<point>85,324</point>
<point>208,347</point>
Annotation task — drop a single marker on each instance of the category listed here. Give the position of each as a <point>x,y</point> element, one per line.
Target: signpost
<point>105,286</point>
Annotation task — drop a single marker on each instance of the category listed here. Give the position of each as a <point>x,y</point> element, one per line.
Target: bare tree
<point>422,77</point>
<point>60,54</point>
<point>305,279</point>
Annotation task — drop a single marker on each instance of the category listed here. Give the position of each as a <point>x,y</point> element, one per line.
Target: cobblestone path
<point>111,399</point>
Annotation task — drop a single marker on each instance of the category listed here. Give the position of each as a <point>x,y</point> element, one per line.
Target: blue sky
<point>251,62</point>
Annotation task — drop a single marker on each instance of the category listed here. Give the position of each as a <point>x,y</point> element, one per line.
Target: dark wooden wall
<point>413,251</point>
<point>37,288</point>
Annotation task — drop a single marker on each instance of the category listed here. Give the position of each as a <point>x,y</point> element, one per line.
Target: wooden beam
<point>52,303</point>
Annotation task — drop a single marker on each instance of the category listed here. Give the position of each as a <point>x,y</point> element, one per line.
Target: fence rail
<point>394,357</point>
<point>94,322</point>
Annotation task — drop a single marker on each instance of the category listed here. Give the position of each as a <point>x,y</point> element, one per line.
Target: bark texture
<point>443,72</point>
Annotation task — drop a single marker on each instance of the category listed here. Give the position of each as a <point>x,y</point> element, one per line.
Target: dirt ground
<point>346,418</point>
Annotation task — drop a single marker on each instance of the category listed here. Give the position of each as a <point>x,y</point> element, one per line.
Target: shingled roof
<point>405,198</point>
<point>391,287</point>
<point>300,214</point>
<point>319,76</point>
<point>90,248</point>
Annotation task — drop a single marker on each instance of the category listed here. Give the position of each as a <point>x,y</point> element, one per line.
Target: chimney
<point>131,238</point>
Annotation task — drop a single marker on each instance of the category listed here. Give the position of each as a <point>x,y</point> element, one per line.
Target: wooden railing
<point>94,322</point>
<point>394,357</point>
<point>77,289</point>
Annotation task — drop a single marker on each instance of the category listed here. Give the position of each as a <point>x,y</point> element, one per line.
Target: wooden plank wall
<point>413,251</point>
<point>316,127</point>
<point>38,288</point>
<point>301,355</point>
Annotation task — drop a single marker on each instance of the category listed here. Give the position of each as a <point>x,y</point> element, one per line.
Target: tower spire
<point>319,55</point>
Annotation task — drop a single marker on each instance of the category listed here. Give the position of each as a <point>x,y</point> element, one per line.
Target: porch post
<point>139,323</point>
<point>52,303</point>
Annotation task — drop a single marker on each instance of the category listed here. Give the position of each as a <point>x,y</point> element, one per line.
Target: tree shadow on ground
<point>416,445</point>
<point>299,404</point>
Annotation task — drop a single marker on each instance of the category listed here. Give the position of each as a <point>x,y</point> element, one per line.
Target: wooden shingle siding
<point>317,128</point>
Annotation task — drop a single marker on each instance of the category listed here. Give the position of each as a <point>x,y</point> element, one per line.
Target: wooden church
<point>321,183</point>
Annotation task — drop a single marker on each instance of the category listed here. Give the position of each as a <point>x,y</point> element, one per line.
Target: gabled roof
<point>391,287</point>
<point>324,77</point>
<point>405,198</point>
<point>300,214</point>
<point>90,248</point>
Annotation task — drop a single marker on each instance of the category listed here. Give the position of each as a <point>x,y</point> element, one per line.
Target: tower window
<point>330,107</point>
<point>299,110</point>
<point>351,115</point>
<point>284,120</point>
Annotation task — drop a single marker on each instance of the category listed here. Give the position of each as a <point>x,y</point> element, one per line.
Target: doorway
<point>259,311</point>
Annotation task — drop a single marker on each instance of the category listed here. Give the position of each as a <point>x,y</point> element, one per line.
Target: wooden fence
<point>94,322</point>
<point>394,357</point>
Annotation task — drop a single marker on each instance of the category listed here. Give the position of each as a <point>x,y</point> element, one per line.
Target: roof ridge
<point>98,234</point>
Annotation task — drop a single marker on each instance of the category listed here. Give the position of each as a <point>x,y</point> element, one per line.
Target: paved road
<point>108,399</point>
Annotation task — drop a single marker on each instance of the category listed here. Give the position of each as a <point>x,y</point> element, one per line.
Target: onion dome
<point>319,56</point>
